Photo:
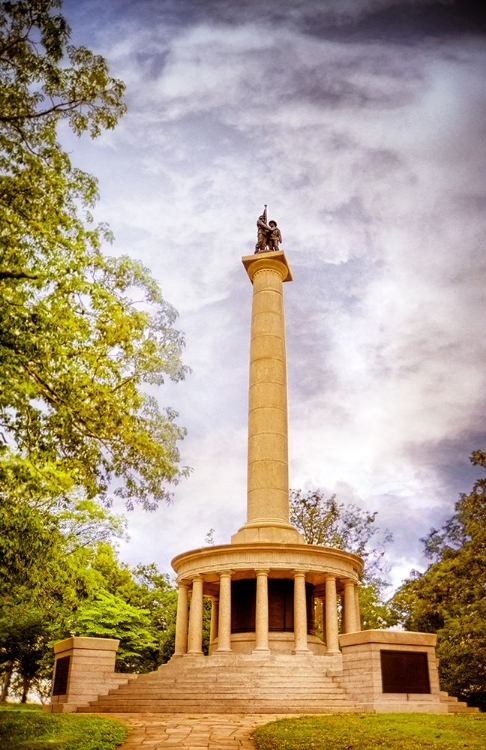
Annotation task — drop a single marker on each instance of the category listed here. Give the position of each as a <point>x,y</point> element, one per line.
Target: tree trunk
<point>26,681</point>
<point>6,679</point>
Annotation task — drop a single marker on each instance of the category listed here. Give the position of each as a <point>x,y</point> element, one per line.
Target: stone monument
<point>268,588</point>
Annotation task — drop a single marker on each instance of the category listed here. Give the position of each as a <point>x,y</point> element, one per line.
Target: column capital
<point>272,261</point>
<point>262,572</point>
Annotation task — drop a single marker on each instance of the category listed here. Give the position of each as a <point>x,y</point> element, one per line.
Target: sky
<point>362,125</point>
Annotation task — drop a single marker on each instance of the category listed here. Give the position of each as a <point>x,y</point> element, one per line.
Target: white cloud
<point>371,158</point>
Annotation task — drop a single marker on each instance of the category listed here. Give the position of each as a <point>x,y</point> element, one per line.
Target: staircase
<point>233,684</point>
<point>247,684</point>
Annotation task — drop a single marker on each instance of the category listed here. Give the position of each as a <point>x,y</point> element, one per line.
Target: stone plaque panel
<point>404,672</point>
<point>61,676</point>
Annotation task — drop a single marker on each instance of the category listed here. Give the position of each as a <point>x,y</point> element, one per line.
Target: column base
<point>272,532</point>
<point>193,653</point>
<point>304,651</point>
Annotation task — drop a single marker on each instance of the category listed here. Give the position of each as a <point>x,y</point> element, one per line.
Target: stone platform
<point>241,684</point>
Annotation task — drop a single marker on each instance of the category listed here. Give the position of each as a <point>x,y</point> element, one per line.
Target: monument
<point>267,587</point>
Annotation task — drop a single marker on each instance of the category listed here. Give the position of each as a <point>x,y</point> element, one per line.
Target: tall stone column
<point>224,629</point>
<point>300,614</point>
<point>332,633</point>
<point>349,624</point>
<point>195,618</point>
<point>261,612</point>
<point>181,620</point>
<point>268,463</point>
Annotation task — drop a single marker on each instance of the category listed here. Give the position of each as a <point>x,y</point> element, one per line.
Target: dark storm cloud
<point>401,22</point>
<point>343,20</point>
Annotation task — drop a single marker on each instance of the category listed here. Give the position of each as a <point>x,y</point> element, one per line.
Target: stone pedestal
<point>84,668</point>
<point>411,665</point>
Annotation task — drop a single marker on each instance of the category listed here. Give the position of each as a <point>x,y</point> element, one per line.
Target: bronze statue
<point>275,236</point>
<point>269,235</point>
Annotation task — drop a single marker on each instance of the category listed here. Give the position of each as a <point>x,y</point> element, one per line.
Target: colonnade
<point>189,622</point>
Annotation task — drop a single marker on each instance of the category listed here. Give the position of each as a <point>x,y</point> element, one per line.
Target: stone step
<point>222,686</point>
<point>220,696</point>
<point>245,705</point>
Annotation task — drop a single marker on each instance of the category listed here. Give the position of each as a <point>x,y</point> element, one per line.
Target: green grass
<point>22,729</point>
<point>374,732</point>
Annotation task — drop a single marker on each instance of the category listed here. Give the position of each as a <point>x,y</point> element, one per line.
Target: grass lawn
<point>23,729</point>
<point>374,732</point>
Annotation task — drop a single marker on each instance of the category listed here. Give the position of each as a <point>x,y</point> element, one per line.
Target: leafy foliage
<point>450,597</point>
<point>325,522</point>
<point>75,348</point>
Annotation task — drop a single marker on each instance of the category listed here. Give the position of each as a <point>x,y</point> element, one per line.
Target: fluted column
<point>195,618</point>
<point>224,629</point>
<point>181,620</point>
<point>349,619</point>
<point>300,614</point>
<point>332,632</point>
<point>261,612</point>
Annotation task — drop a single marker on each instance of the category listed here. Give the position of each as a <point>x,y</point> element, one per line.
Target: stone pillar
<point>300,614</point>
<point>356,607</point>
<point>224,629</point>
<point>349,614</point>
<point>181,620</point>
<point>84,668</point>
<point>332,634</point>
<point>261,612</point>
<point>213,629</point>
<point>195,618</point>
<point>268,462</point>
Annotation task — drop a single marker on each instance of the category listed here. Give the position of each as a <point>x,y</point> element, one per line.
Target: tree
<point>45,551</point>
<point>81,334</point>
<point>450,597</point>
<point>325,522</point>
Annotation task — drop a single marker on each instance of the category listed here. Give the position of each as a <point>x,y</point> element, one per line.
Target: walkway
<point>191,732</point>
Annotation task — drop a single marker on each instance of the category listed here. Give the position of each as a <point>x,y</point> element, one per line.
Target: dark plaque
<point>61,676</point>
<point>404,672</point>
<point>243,594</point>
<point>280,605</point>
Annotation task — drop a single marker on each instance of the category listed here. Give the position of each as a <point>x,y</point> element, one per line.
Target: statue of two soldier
<point>268,234</point>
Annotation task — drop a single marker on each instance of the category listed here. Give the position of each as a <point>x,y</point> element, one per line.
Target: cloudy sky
<point>362,124</point>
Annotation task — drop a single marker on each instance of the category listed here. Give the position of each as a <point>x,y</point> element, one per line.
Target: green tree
<point>326,522</point>
<point>46,584</point>
<point>81,334</point>
<point>450,597</point>
<point>107,615</point>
